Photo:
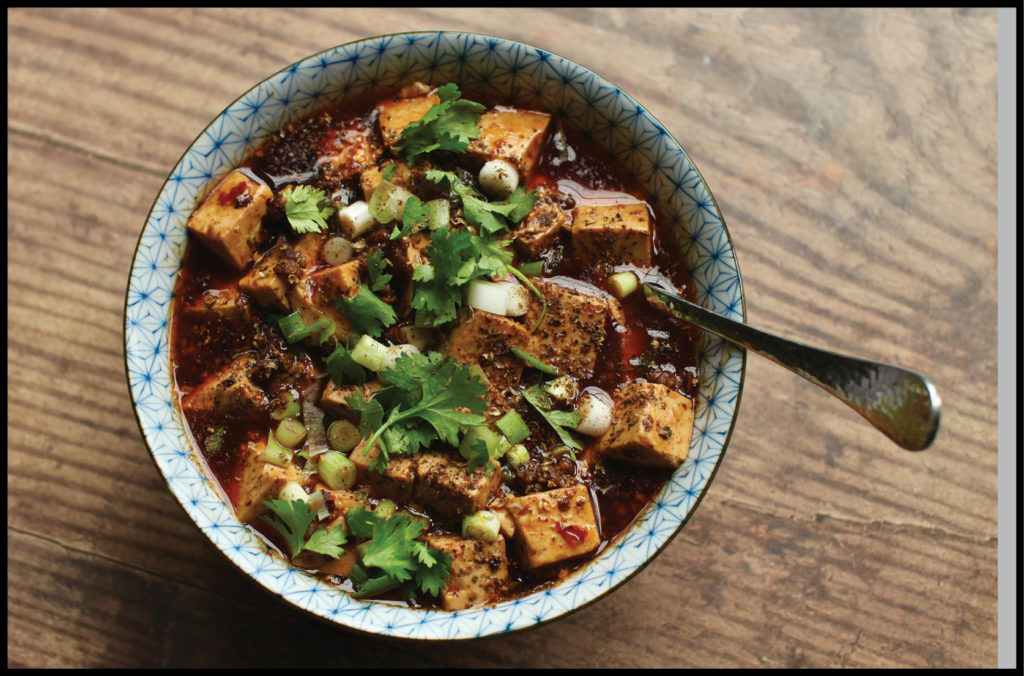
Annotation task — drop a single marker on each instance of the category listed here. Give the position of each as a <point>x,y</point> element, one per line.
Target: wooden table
<point>853,154</point>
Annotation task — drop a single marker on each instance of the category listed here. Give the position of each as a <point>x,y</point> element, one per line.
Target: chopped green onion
<point>491,438</point>
<point>336,470</point>
<point>292,490</point>
<point>439,214</point>
<point>388,201</point>
<point>342,436</point>
<point>483,525</point>
<point>276,453</point>
<point>517,455</point>
<point>290,432</point>
<point>536,363</point>
<point>285,407</point>
<point>294,328</point>
<point>512,426</point>
<point>385,508</point>
<point>369,353</point>
<point>621,284</point>
<point>533,268</point>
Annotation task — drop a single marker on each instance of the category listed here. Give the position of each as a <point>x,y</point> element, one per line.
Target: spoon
<point>901,403</point>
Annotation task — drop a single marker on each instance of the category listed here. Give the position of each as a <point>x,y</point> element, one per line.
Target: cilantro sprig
<point>292,519</point>
<point>456,257</point>
<point>367,313</point>
<point>558,420</point>
<point>488,217</point>
<point>307,208</point>
<point>429,397</point>
<point>449,125</point>
<point>394,557</point>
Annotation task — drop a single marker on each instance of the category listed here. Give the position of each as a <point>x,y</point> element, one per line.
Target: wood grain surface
<point>853,154</point>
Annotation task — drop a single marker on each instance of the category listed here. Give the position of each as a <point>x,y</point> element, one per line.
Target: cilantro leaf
<point>449,125</point>
<point>368,314</point>
<point>302,207</point>
<point>375,264</point>
<point>558,420</point>
<point>493,217</point>
<point>481,456</point>
<point>328,542</point>
<point>342,369</point>
<point>291,519</point>
<point>456,258</point>
<point>415,216</point>
<point>393,555</point>
<point>488,217</point>
<point>430,397</point>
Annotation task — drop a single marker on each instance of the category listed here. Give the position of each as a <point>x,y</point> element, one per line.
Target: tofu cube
<point>574,327</point>
<point>393,115</point>
<point>487,339</point>
<point>479,571</point>
<point>651,426</point>
<point>333,397</point>
<point>230,220</point>
<point>617,233</point>
<point>513,135</point>
<point>312,304</point>
<point>542,226</point>
<point>398,479</point>
<point>554,526</point>
<point>444,484</point>
<point>229,391</point>
<point>260,480</point>
<point>264,284</point>
<point>338,280</point>
<point>228,307</point>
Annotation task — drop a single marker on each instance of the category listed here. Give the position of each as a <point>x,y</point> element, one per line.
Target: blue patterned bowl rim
<point>480,63</point>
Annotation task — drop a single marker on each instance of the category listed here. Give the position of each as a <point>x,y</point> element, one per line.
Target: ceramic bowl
<point>533,77</point>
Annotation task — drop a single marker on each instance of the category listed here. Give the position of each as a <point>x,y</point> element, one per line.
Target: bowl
<point>533,77</point>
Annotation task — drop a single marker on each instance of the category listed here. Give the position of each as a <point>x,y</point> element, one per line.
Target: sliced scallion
<point>369,353</point>
<point>290,432</point>
<point>336,470</point>
<point>275,453</point>
<point>286,406</point>
<point>512,426</point>
<point>483,525</point>
<point>342,436</point>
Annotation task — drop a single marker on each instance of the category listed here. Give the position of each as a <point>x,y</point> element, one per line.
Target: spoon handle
<point>901,403</point>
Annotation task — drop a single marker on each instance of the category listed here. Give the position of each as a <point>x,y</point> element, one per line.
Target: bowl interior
<point>479,63</point>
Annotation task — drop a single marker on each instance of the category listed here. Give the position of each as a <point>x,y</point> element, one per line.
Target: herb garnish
<point>558,420</point>
<point>393,556</point>
<point>449,125</point>
<point>429,397</point>
<point>307,208</point>
<point>291,519</point>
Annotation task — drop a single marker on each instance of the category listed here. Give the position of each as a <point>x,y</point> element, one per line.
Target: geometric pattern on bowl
<point>515,71</point>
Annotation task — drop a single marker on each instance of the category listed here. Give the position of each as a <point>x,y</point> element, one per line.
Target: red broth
<point>648,345</point>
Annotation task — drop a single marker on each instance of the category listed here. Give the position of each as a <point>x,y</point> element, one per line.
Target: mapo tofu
<point>407,342</point>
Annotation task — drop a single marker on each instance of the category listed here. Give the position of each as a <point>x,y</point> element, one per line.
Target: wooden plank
<point>853,154</point>
<point>71,609</point>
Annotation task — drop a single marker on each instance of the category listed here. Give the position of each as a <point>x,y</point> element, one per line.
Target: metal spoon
<point>903,404</point>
